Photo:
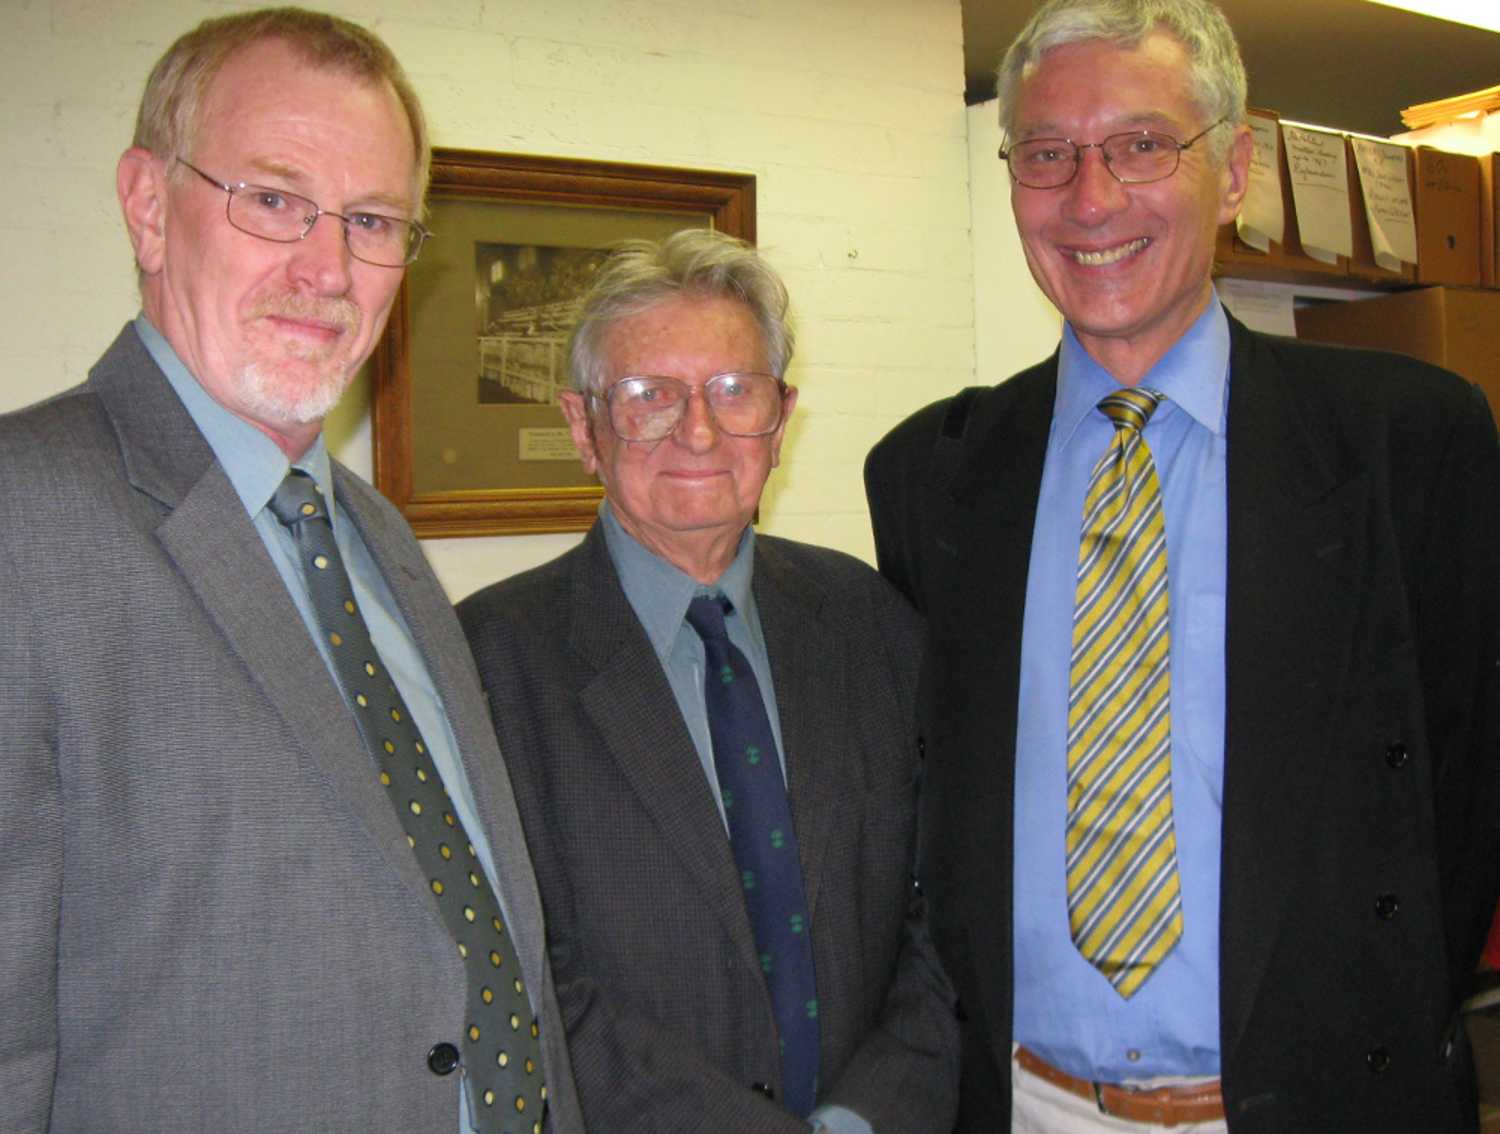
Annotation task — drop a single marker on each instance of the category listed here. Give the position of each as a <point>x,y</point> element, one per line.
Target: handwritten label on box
<point>1387,193</point>
<point>1261,218</point>
<point>1320,191</point>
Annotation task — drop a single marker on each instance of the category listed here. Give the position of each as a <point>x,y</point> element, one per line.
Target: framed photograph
<point>469,439</point>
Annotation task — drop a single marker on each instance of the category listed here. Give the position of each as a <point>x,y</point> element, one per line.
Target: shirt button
<point>1133,1055</point>
<point>1378,1060</point>
<point>1396,755</point>
<point>1386,906</point>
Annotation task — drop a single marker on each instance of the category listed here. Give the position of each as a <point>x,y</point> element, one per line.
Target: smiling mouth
<point>308,326</point>
<point>1110,255</point>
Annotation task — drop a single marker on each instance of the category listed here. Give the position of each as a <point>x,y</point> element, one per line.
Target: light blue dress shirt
<point>255,466</point>
<point>1065,1010</point>
<point>659,594</point>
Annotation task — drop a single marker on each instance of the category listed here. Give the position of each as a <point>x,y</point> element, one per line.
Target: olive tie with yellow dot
<point>1124,897</point>
<point>502,1055</point>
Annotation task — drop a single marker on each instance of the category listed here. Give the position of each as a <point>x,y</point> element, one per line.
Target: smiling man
<point>1212,697</point>
<point>713,745</point>
<point>261,862</point>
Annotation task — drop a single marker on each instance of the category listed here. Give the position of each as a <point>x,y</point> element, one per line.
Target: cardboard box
<point>1458,328</point>
<point>1489,220</point>
<point>1447,218</point>
<point>1285,259</point>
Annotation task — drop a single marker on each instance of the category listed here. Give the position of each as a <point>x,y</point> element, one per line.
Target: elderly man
<point>1211,707</point>
<point>261,865</point>
<point>713,745</point>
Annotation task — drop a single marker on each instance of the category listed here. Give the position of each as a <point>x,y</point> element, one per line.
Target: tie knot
<point>297,498</point>
<point>706,615</point>
<point>1130,408</point>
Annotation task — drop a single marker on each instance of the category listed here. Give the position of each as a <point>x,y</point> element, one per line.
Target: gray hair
<point>167,122</point>
<point>695,263</point>
<point>1216,72</point>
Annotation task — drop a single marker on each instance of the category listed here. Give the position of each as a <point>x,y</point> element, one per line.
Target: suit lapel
<point>435,629</point>
<point>808,667</point>
<point>1296,538</point>
<point>205,532</point>
<point>632,708</point>
<point>982,552</point>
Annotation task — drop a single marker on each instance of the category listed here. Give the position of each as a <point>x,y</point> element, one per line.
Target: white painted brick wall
<point>849,112</point>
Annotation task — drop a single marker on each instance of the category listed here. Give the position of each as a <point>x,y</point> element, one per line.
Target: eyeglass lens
<point>1141,155</point>
<point>649,409</point>
<point>277,215</point>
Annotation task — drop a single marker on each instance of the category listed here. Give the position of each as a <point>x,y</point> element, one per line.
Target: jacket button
<point>764,1089</point>
<point>442,1059</point>
<point>1378,1060</point>
<point>1396,755</point>
<point>1386,906</point>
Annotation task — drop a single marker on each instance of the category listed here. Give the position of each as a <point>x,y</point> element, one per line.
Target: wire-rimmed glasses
<point>650,408</point>
<point>1133,157</point>
<point>276,215</point>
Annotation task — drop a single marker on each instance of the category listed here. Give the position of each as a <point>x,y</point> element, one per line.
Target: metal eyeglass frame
<point>1078,148</point>
<point>234,188</point>
<point>605,400</point>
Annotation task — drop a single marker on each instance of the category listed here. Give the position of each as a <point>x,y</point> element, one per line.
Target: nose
<point>697,432</point>
<point>321,263</point>
<point>1094,195</point>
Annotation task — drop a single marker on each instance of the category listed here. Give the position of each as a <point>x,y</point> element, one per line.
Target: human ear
<point>575,409</point>
<point>141,184</point>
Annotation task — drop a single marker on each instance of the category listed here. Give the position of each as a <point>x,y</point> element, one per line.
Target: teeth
<point>1110,255</point>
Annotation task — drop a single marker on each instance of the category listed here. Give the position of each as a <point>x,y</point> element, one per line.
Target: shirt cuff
<point>839,1120</point>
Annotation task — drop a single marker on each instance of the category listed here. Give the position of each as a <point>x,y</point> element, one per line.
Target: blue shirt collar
<point>253,463</point>
<point>1193,375</point>
<point>659,593</point>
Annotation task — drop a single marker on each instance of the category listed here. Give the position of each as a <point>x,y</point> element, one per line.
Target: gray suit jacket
<point>668,1017</point>
<point>210,917</point>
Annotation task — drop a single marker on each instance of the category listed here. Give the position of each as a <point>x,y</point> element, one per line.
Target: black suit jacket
<point>1362,767</point>
<point>669,1022</point>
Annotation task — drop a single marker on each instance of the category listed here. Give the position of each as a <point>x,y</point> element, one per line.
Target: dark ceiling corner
<point>1341,63</point>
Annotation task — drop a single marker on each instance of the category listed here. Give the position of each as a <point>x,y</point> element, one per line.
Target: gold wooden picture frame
<point>468,439</point>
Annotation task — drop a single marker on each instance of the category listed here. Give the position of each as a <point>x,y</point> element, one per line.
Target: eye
<point>373,223</point>
<point>268,200</point>
<point>642,393</point>
<point>1147,145</point>
<point>1044,152</point>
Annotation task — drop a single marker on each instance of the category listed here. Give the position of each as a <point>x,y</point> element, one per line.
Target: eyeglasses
<point>1134,157</point>
<point>275,214</point>
<point>650,409</point>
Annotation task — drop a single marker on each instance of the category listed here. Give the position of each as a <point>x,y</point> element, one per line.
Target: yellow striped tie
<point>1124,899</point>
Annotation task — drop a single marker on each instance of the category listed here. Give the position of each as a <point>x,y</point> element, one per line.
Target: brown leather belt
<point>1162,1106</point>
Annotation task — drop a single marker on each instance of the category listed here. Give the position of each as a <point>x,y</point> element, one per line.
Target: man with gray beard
<point>261,862</point>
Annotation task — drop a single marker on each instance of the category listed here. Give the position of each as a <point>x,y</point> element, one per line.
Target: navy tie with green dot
<point>764,846</point>
<point>502,1056</point>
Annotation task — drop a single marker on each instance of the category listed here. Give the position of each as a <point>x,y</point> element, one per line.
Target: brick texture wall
<point>849,113</point>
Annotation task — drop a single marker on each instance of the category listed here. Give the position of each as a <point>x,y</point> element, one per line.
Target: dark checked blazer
<point>1361,808</point>
<point>668,1017</point>
<point>209,916</point>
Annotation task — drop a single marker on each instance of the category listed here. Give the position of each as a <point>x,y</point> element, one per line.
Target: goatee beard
<point>267,392</point>
<point>265,396</point>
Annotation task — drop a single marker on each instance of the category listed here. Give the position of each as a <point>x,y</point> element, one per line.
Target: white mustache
<point>341,314</point>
